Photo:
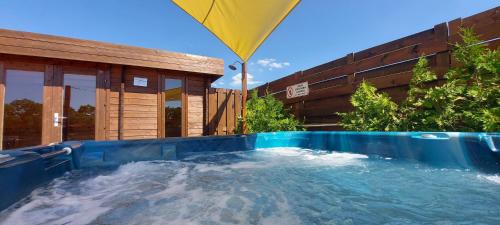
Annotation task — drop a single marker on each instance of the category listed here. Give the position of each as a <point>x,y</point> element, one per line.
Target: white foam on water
<point>234,166</point>
<point>58,205</point>
<point>490,178</point>
<point>173,191</point>
<point>156,193</point>
<point>316,158</point>
<point>283,151</point>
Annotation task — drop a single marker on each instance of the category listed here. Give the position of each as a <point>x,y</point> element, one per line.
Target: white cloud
<point>218,83</point>
<point>271,63</point>
<point>236,80</point>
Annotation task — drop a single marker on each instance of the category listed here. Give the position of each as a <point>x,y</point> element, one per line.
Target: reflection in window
<point>23,109</point>
<point>79,107</point>
<point>173,107</point>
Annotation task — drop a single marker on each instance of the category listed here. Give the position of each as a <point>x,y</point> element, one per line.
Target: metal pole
<point>244,97</point>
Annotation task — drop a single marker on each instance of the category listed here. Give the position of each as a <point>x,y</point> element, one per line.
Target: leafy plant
<point>469,99</point>
<point>267,114</point>
<point>374,111</point>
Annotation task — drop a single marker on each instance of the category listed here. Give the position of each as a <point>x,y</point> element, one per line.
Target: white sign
<point>301,89</point>
<point>140,81</point>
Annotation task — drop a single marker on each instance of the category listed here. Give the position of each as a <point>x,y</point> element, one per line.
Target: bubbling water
<point>265,186</point>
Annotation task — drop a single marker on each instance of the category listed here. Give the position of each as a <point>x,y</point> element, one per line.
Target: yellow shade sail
<point>241,24</point>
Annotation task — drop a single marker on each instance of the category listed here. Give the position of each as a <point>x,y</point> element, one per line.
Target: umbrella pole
<point>244,97</point>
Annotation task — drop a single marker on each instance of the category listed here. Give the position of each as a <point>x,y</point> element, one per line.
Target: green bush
<point>469,99</point>
<point>267,114</point>
<point>374,111</point>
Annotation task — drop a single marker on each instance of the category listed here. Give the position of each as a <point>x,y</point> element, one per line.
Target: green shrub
<point>469,100</point>
<point>374,111</point>
<point>267,114</point>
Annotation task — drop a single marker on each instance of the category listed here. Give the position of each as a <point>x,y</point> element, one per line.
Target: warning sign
<point>301,89</point>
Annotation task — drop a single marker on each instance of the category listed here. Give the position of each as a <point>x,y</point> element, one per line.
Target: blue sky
<point>317,31</point>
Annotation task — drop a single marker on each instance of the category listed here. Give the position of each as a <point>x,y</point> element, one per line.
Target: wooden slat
<point>30,44</point>
<point>237,104</point>
<point>212,111</point>
<point>185,107</point>
<point>160,113</point>
<point>395,45</point>
<point>221,112</point>
<point>2,101</point>
<point>47,108</point>
<point>57,102</point>
<point>102,92</point>
<point>206,121</point>
<point>230,112</point>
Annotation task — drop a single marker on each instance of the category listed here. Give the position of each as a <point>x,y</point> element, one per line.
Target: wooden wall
<point>123,111</point>
<point>224,108</point>
<point>387,66</point>
<point>140,115</point>
<point>196,90</point>
<point>142,105</point>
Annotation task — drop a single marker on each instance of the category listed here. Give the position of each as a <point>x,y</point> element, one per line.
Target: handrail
<point>65,150</point>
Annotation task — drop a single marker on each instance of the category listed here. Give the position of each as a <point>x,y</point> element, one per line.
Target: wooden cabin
<point>55,89</point>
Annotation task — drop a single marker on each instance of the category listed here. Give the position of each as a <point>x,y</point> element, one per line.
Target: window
<point>23,109</point>
<point>79,107</point>
<point>173,107</point>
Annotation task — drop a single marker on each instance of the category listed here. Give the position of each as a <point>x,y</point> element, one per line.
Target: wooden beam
<point>66,110</point>
<point>161,106</point>
<point>121,104</point>
<point>206,103</point>
<point>2,101</point>
<point>185,104</point>
<point>39,45</point>
<point>47,117</point>
<point>57,103</point>
<point>102,102</point>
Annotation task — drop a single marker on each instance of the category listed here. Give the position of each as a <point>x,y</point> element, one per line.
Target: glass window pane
<point>23,109</point>
<point>173,107</point>
<point>79,107</point>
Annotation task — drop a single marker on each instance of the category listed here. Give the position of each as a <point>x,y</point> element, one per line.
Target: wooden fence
<point>224,108</point>
<point>387,66</point>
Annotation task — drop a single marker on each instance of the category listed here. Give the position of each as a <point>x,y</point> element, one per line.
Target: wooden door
<point>172,104</point>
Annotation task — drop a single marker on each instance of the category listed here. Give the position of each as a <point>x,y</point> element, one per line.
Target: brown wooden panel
<point>47,108</point>
<point>325,67</point>
<point>224,108</point>
<point>195,104</point>
<point>282,83</point>
<point>2,101</point>
<point>221,112</point>
<point>230,112</point>
<point>212,111</point>
<point>388,66</point>
<point>395,45</point>
<point>160,113</point>
<point>237,104</point>
<point>57,101</point>
<point>30,44</point>
<point>102,98</point>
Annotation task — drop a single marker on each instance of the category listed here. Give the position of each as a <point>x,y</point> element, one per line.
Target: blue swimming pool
<point>271,178</point>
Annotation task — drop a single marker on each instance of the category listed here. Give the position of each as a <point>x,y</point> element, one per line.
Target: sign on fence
<point>301,89</point>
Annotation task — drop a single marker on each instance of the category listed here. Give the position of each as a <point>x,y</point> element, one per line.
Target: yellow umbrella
<point>242,25</point>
